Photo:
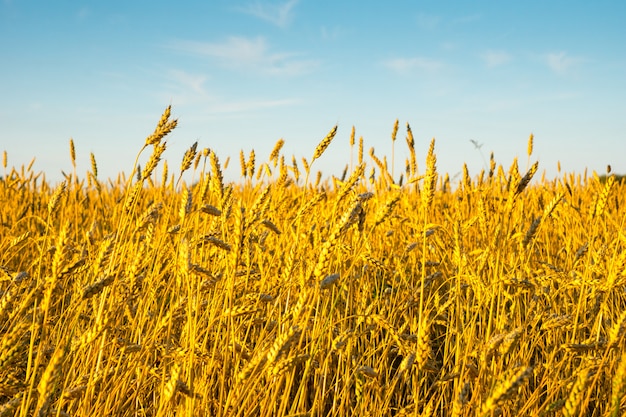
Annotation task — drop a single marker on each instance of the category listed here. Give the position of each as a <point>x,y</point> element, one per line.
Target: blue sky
<point>242,74</point>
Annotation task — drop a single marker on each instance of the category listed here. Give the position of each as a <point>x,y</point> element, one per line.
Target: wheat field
<point>290,293</point>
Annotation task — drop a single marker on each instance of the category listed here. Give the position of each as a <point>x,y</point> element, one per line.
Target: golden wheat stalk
<point>164,127</point>
<point>576,394</point>
<point>360,151</point>
<point>11,344</point>
<point>47,380</point>
<point>323,260</point>
<point>12,404</point>
<point>532,230</point>
<point>243,164</point>
<point>276,151</point>
<point>410,141</point>
<point>430,179</point>
<point>526,178</point>
<point>153,161</point>
<point>423,346</point>
<point>172,385</point>
<point>321,147</point>
<point>56,197</point>
<point>618,385</point>
<point>549,209</point>
<point>384,211</point>
<point>287,364</point>
<point>600,205</point>
<point>505,388</point>
<point>259,207</point>
<point>72,153</point>
<point>188,158</point>
<point>97,287</point>
<point>282,344</point>
<point>217,179</point>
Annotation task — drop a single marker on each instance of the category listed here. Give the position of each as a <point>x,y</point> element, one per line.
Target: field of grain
<point>289,293</point>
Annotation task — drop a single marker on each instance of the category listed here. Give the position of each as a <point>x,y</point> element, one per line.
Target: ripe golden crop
<point>291,294</point>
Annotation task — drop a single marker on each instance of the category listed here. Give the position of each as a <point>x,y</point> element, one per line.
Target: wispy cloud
<point>83,13</point>
<point>331,33</point>
<point>449,45</point>
<point>561,62</point>
<point>560,96</point>
<point>248,54</point>
<point>194,83</point>
<point>501,105</point>
<point>427,21</point>
<point>511,103</point>
<point>496,58</point>
<point>249,105</point>
<point>279,14</point>
<point>468,18</point>
<point>407,65</point>
<point>187,88</point>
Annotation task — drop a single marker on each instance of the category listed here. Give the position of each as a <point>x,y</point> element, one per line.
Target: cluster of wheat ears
<point>290,294</point>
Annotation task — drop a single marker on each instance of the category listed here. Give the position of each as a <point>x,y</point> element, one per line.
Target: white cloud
<point>496,58</point>
<point>248,54</point>
<point>279,14</point>
<point>406,65</point>
<point>561,62</point>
